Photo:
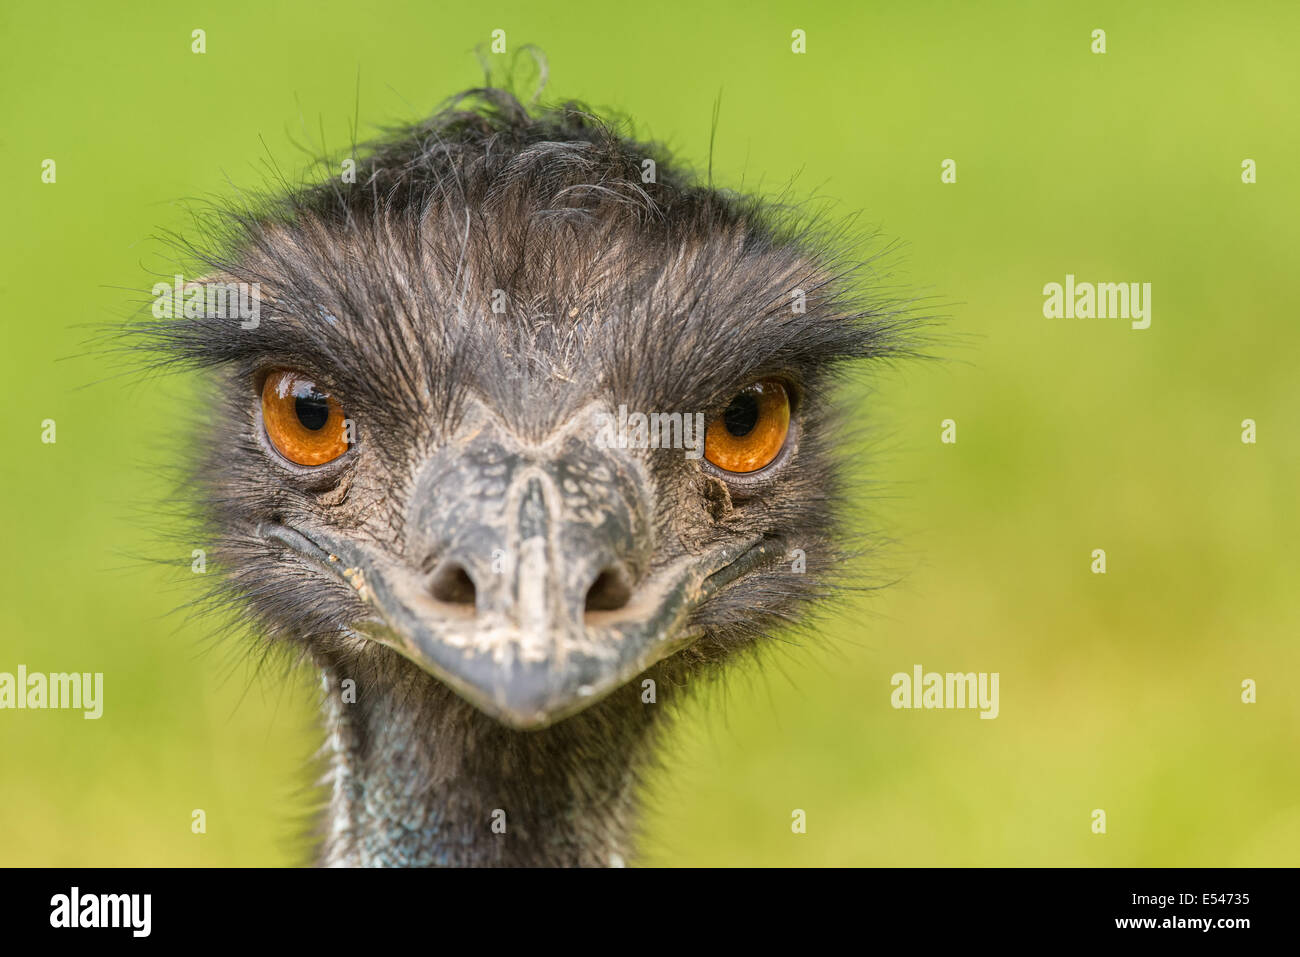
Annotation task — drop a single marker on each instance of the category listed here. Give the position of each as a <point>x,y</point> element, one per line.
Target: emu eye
<point>752,430</point>
<point>304,424</point>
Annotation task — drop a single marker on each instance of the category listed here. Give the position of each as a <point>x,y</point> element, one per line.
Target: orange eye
<point>304,424</point>
<point>752,431</point>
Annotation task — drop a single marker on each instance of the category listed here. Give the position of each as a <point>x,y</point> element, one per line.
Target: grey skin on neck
<point>419,778</point>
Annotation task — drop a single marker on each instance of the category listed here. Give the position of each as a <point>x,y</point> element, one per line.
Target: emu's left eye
<point>752,430</point>
<point>304,424</point>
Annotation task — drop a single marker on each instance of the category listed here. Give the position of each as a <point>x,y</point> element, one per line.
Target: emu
<point>401,481</point>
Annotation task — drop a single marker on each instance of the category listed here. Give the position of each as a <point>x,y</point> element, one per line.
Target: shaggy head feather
<point>660,296</point>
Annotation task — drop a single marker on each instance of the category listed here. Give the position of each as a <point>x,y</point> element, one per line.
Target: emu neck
<point>419,778</point>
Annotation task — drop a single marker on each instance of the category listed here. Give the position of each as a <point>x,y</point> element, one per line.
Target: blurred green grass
<point>1118,692</point>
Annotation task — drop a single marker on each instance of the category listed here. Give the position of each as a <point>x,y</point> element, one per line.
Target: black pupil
<point>742,415</point>
<point>313,409</point>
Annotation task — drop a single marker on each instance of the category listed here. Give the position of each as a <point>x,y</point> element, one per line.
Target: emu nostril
<point>610,591</point>
<point>452,584</point>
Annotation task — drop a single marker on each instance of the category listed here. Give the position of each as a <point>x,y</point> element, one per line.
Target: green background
<point>1119,692</point>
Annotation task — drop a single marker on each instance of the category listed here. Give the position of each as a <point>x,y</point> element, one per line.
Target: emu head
<point>444,433</point>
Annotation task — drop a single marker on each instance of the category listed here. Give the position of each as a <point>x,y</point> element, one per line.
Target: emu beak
<point>527,588</point>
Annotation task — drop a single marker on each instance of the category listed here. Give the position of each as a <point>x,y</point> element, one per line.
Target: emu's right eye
<point>305,425</point>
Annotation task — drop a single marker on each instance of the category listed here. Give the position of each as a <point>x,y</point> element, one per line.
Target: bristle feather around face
<point>501,265</point>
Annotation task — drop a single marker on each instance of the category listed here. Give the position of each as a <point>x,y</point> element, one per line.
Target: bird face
<point>532,581</point>
<point>532,545</point>
<point>524,420</point>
